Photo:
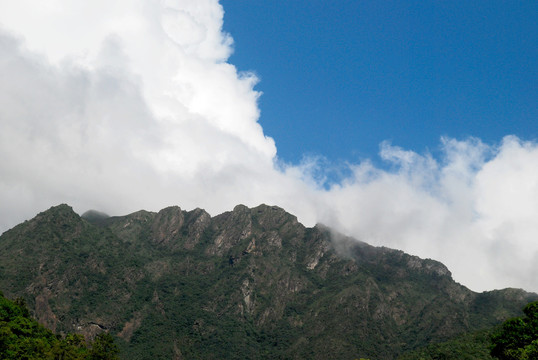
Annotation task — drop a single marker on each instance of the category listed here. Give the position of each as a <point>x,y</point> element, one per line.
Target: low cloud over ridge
<point>134,114</point>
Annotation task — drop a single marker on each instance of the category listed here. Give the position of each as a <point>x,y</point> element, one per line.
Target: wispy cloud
<point>474,209</point>
<point>133,105</point>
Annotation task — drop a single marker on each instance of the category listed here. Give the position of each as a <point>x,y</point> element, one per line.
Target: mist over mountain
<point>248,283</point>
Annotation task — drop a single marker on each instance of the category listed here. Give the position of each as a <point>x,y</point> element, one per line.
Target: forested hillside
<point>22,337</point>
<point>249,283</point>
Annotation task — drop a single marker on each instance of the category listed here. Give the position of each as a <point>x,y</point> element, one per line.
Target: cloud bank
<point>132,105</point>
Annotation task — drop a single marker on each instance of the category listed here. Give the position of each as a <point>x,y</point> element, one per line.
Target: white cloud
<point>475,210</point>
<point>114,98</point>
<point>131,104</point>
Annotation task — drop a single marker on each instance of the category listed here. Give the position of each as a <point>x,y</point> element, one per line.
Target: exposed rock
<point>230,228</point>
<point>197,222</point>
<point>167,225</point>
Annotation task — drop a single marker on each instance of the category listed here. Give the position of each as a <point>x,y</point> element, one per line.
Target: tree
<point>21,337</point>
<point>104,348</point>
<point>517,338</point>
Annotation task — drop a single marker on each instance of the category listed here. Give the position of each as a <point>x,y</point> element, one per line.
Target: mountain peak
<point>61,209</point>
<point>249,281</point>
<point>59,217</point>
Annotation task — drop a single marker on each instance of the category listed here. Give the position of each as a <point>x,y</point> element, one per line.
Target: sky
<point>352,74</point>
<point>403,124</point>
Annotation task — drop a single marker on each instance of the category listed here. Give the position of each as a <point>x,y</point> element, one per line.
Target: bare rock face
<point>230,229</point>
<point>273,218</point>
<point>167,225</point>
<point>197,222</point>
<point>428,266</point>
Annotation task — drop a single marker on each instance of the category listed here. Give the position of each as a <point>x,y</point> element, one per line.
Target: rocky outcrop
<point>167,225</point>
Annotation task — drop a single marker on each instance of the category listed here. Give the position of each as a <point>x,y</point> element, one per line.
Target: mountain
<point>249,283</point>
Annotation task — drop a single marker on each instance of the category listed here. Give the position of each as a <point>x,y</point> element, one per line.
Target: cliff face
<point>249,283</point>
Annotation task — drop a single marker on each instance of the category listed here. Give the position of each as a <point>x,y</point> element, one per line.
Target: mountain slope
<point>249,283</point>
<point>21,337</point>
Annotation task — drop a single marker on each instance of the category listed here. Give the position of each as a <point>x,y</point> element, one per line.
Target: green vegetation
<point>246,284</point>
<point>468,346</point>
<point>21,337</point>
<point>517,338</point>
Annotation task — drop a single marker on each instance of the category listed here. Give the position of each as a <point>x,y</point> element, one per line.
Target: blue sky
<point>340,77</point>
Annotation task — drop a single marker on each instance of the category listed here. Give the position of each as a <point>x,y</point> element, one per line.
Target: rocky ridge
<point>248,283</point>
